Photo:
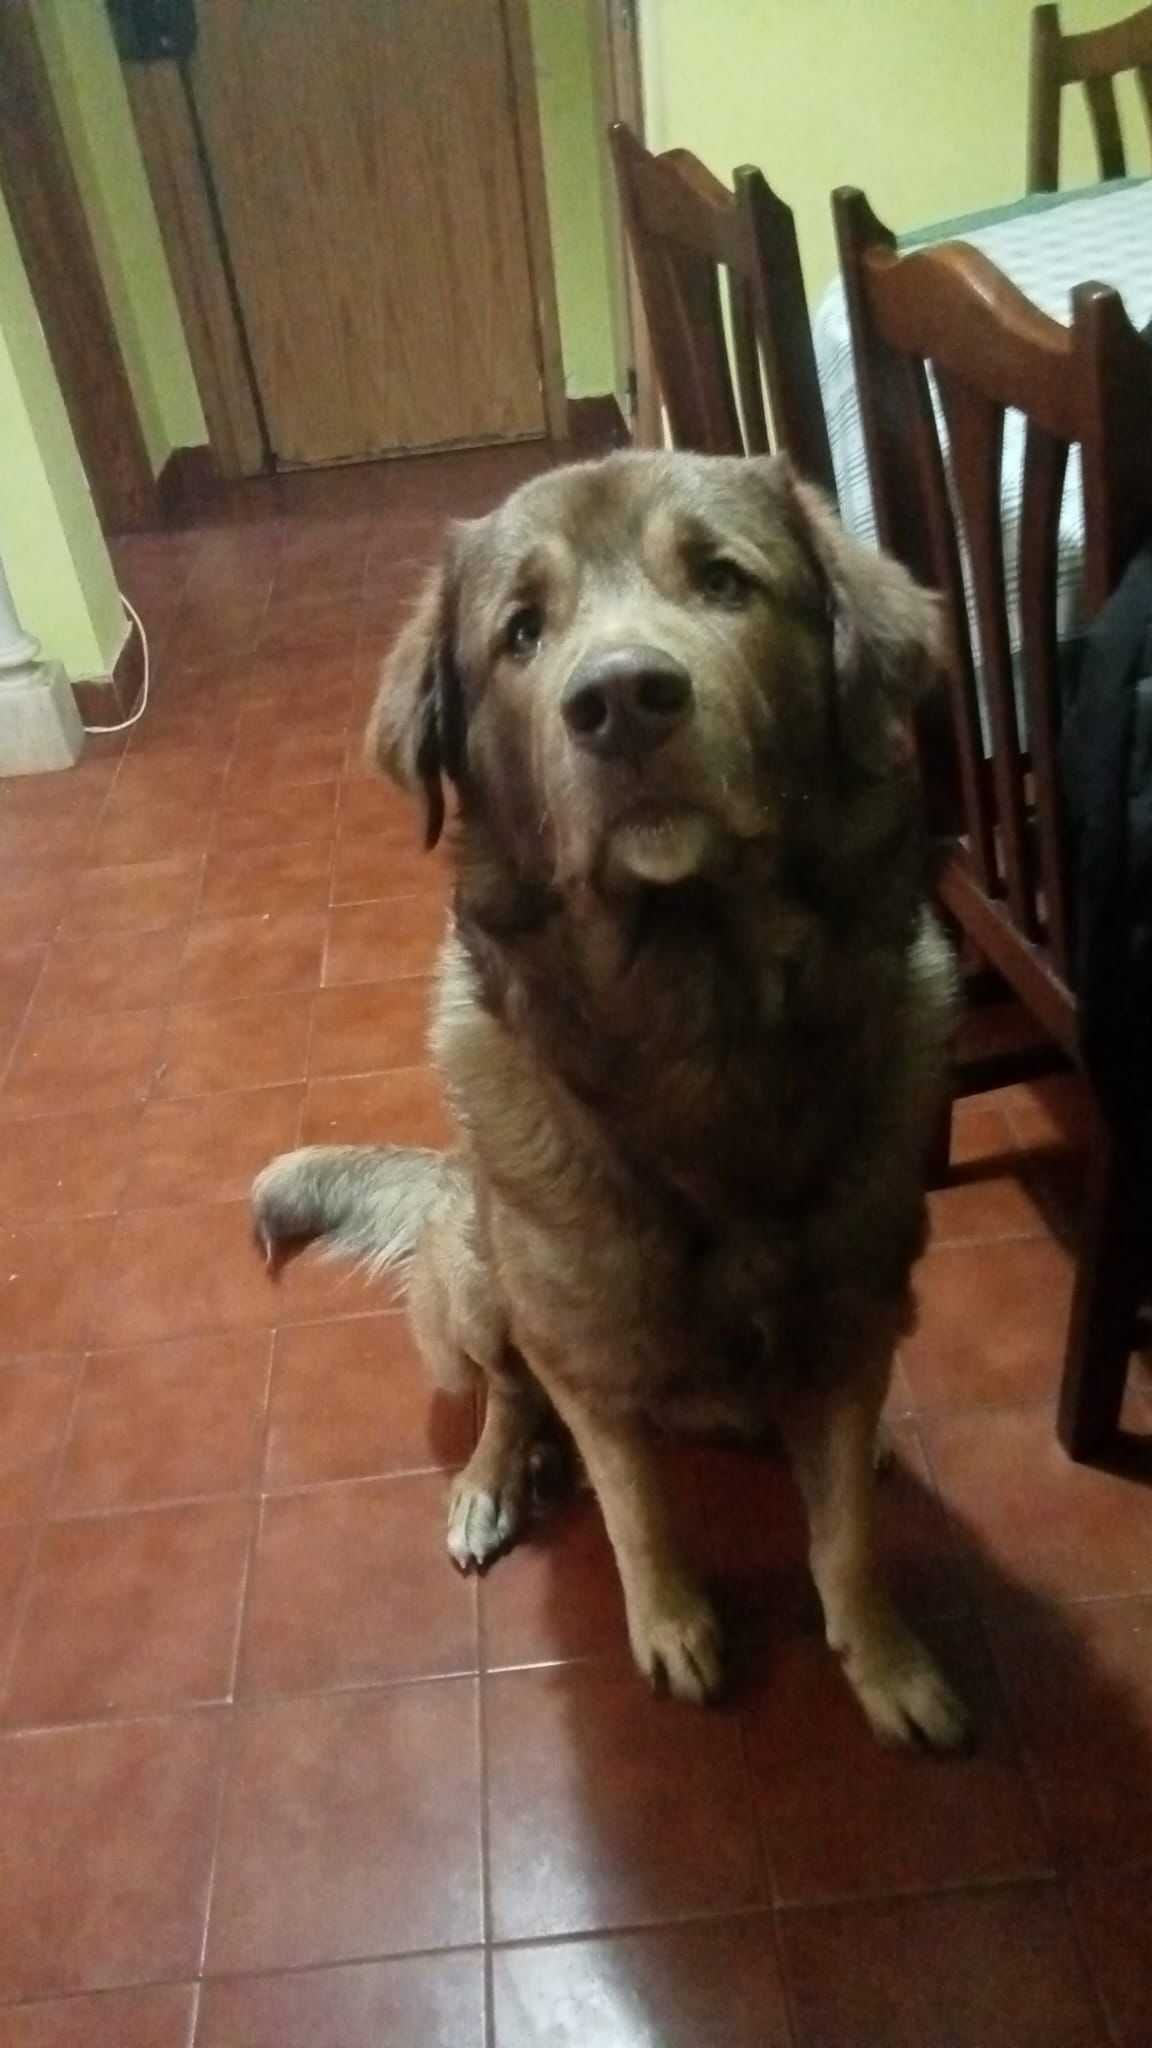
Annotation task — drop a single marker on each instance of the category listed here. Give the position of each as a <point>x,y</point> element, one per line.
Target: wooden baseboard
<point>106,700</point>
<point>596,425</point>
<point>186,479</point>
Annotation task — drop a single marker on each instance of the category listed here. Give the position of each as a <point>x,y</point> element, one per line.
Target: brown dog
<point>692,1018</point>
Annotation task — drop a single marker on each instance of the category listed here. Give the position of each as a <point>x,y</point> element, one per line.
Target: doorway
<point>351,196</point>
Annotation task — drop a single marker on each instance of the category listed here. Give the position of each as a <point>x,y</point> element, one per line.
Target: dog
<point>692,1020</point>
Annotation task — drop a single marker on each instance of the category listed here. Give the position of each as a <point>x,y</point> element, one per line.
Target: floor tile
<point>982,1204</point>
<point>52,1281</point>
<point>1080,1690</point>
<point>145,828</point>
<point>35,1403</point>
<point>32,905</point>
<point>351,1829</point>
<point>294,758</point>
<point>1037,1525</point>
<point>556,1596</point>
<point>226,1045</point>
<point>65,840</point>
<point>1110,1908</point>
<point>15,1557</point>
<point>131,1613</point>
<point>274,816</point>
<point>59,793</point>
<point>180,1272</point>
<point>427,2001</point>
<point>592,1782</point>
<point>57,1067</point>
<point>1054,1111</point>
<point>85,977</point>
<point>993,1320</point>
<point>352,1585</point>
<point>105,1853</point>
<point>990,1969</point>
<point>56,1166</point>
<point>751,1537</point>
<point>403,1107</point>
<point>374,941</point>
<point>353,1399</point>
<point>135,896</point>
<point>268,878</point>
<point>379,864</point>
<point>189,774</point>
<point>683,1987</point>
<point>209,1148</point>
<point>370,1027</point>
<point>841,1815</point>
<point>159,2016</point>
<point>230,957</point>
<point>167,1422</point>
<point>21,967</point>
<point>981,1132</point>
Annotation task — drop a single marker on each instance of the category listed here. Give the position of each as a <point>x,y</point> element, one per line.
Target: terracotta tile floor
<point>271,1776</point>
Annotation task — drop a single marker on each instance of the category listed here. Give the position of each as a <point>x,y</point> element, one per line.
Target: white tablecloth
<point>1046,245</point>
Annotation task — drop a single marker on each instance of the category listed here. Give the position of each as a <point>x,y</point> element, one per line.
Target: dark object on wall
<point>149,30</point>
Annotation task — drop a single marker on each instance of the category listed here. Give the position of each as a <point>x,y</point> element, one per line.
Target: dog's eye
<point>523,631</point>
<point>724,582</point>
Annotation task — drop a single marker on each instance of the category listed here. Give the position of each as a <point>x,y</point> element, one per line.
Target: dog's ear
<point>887,629</point>
<point>415,733</point>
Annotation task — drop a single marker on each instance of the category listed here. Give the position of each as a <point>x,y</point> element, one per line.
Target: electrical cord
<point>142,706</point>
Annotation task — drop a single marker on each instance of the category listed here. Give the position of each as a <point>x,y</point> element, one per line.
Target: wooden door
<point>369,177</point>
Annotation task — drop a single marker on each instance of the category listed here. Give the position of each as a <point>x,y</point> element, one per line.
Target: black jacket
<point>1107,770</point>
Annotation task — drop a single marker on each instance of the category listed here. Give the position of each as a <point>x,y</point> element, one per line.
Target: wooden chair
<point>684,228</point>
<point>1094,60</point>
<point>1005,882</point>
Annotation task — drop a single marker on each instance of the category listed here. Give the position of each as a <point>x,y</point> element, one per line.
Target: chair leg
<point>938,1162</point>
<point>1112,1271</point>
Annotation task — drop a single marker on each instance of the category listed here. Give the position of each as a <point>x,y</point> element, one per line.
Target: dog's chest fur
<point>727,1067</point>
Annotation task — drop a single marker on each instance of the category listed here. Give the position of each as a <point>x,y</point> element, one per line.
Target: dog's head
<point>633,665</point>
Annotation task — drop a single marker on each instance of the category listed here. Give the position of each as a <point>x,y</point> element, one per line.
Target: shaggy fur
<point>692,1019</point>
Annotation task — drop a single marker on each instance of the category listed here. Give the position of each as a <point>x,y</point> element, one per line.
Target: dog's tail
<point>363,1202</point>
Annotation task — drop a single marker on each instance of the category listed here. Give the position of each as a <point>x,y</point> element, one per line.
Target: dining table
<point>1046,244</point>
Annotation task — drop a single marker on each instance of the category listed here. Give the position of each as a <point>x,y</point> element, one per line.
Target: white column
<point>40,727</point>
<point>19,652</point>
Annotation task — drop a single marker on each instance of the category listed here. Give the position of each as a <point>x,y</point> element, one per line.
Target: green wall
<point>568,117</point>
<point>50,538</point>
<point>98,126</point>
<point>923,103</point>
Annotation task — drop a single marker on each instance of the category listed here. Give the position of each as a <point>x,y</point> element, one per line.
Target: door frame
<point>55,243</point>
<point>159,96</point>
<point>619,77</point>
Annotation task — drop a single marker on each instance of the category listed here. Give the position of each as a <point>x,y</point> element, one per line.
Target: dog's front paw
<point>907,1698</point>
<point>483,1522</point>
<point>679,1648</point>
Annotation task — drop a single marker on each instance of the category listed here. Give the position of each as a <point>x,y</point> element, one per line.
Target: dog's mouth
<point>662,844</point>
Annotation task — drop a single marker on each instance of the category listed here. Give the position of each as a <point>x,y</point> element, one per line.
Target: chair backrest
<point>684,229</point>
<point>1094,60</point>
<point>939,495</point>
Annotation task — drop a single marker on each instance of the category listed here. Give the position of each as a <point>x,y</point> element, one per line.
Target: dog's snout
<point>626,701</point>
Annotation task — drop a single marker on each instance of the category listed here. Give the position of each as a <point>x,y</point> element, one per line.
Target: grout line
<point>228,1739</point>
<point>220,1706</point>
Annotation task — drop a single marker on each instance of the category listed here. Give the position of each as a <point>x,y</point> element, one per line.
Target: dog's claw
<point>910,1703</point>
<point>481,1525</point>
<point>681,1652</point>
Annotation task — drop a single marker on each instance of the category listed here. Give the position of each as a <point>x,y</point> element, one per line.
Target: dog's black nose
<point>626,701</point>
